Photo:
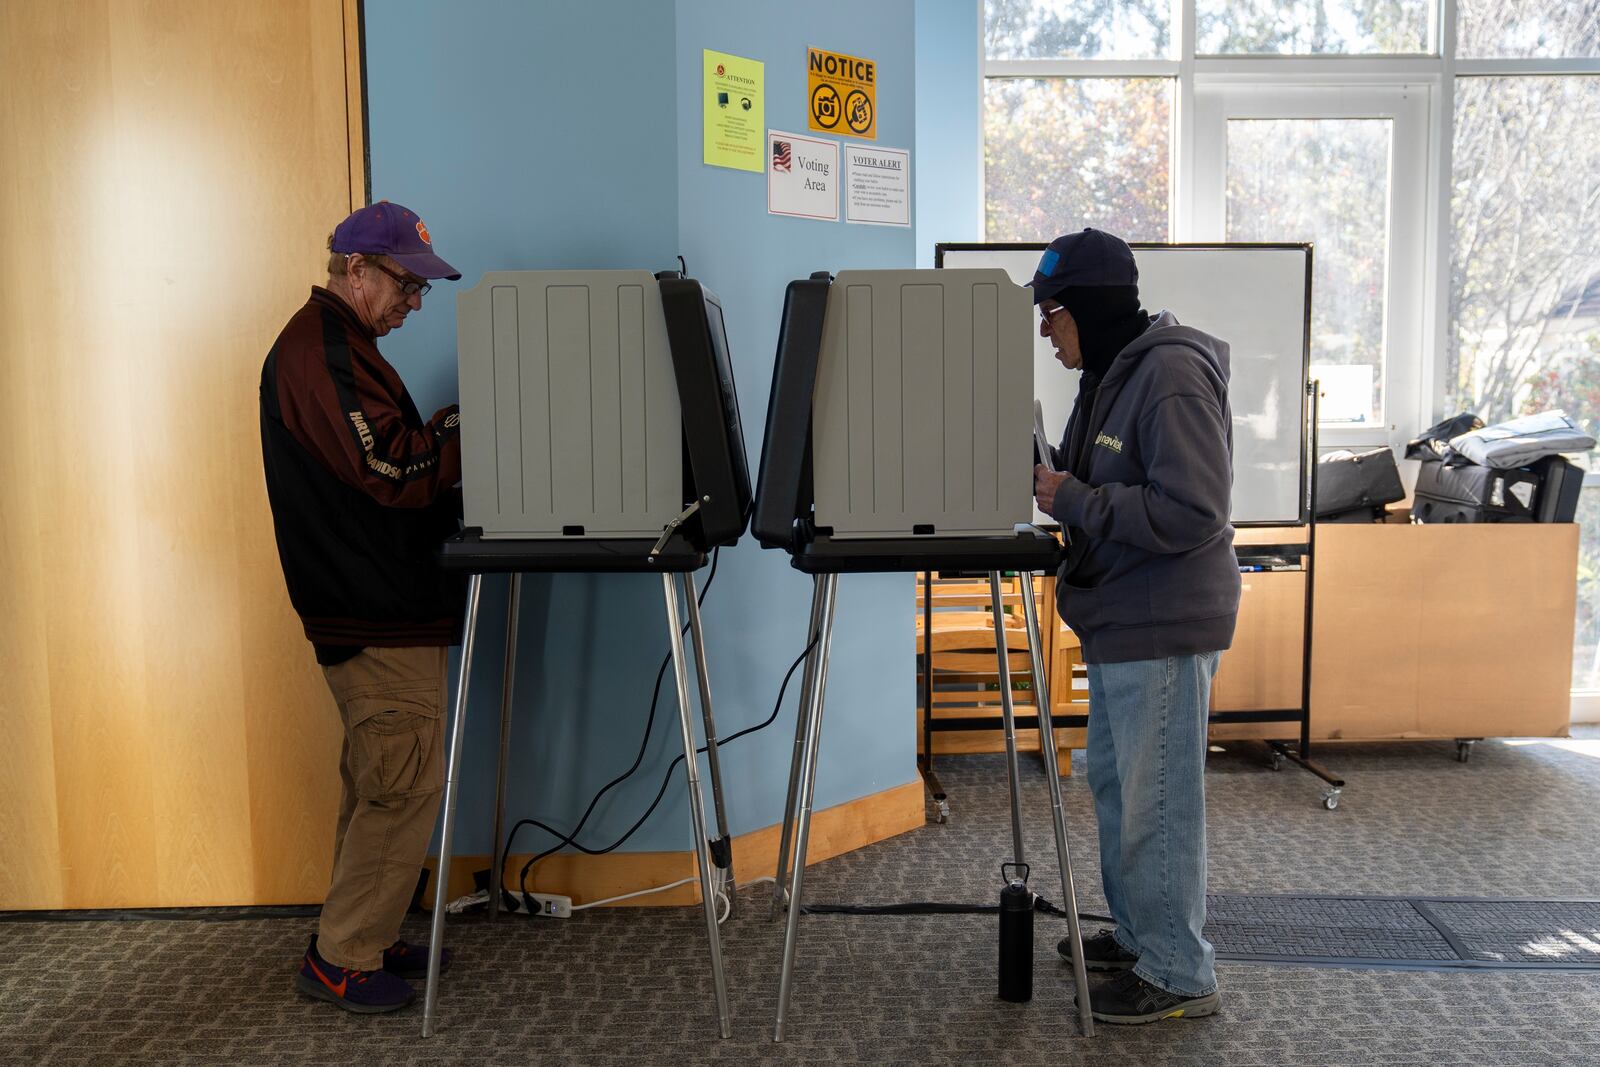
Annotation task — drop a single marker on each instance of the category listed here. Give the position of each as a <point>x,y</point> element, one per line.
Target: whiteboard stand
<point>1307,552</point>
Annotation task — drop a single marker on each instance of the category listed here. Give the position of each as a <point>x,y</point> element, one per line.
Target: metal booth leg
<point>811,711</point>
<point>441,881</point>
<point>508,682</point>
<point>722,847</point>
<point>1002,654</point>
<point>802,712</point>
<point>697,811</point>
<point>1047,749</point>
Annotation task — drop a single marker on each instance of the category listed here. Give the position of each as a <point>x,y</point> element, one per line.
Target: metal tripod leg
<point>508,682</point>
<point>722,847</point>
<point>1047,749</point>
<point>441,883</point>
<point>827,586</point>
<point>697,811</point>
<point>807,686</point>
<point>1002,654</point>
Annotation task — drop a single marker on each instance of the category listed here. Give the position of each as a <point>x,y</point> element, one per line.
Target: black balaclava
<point>1108,318</point>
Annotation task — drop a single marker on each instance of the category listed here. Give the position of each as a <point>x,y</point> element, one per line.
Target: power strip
<point>551,905</point>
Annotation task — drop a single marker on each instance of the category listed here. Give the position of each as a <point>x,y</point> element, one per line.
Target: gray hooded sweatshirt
<point>1149,570</point>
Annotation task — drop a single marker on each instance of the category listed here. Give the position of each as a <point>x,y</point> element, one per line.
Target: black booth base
<point>1029,549</point>
<point>470,551</point>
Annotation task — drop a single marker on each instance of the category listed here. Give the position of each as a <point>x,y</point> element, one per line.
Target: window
<point>1325,181</point>
<point>1525,255</point>
<point>1345,169</point>
<point>1077,29</point>
<point>1064,153</point>
<point>1314,27</point>
<point>1527,29</point>
<point>1442,156</point>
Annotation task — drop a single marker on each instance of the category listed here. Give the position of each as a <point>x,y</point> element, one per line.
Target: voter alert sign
<point>802,176</point>
<point>843,94</point>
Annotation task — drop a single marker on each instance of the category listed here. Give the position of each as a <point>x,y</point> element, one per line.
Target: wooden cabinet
<point>1419,632</point>
<point>1438,631</point>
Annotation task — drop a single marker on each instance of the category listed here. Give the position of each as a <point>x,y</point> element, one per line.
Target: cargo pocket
<point>395,745</point>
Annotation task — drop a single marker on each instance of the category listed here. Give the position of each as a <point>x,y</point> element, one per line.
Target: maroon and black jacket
<point>362,490</point>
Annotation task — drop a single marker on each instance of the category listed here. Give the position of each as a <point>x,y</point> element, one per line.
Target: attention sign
<point>843,94</point>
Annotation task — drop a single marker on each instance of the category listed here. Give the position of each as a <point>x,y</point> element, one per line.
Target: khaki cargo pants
<point>392,703</point>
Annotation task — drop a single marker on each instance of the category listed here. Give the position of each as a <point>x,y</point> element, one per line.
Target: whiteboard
<point>1255,297</point>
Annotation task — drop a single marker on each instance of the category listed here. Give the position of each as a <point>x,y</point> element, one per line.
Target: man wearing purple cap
<point>1142,486</point>
<point>362,492</point>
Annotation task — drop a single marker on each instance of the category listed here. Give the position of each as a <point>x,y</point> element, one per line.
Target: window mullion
<point>1440,239</point>
<point>1182,206</point>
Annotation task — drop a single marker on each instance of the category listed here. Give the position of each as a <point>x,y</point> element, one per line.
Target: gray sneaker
<point>1100,953</point>
<point>1128,999</point>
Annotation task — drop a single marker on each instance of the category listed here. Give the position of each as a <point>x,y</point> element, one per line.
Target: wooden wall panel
<point>172,171</point>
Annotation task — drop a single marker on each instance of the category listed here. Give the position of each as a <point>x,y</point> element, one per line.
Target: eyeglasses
<point>407,286</point>
<point>1045,313</point>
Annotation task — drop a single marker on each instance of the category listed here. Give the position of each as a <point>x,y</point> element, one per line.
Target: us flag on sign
<point>780,156</point>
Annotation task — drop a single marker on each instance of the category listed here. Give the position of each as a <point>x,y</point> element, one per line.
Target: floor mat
<point>1406,932</point>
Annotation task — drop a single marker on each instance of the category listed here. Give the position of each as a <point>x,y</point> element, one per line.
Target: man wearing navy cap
<point>1142,486</point>
<point>362,492</point>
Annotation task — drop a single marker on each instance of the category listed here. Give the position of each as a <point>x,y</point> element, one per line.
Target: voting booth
<point>600,433</point>
<point>898,439</point>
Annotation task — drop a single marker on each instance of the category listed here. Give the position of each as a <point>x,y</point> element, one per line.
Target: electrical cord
<point>925,907</point>
<point>666,779</point>
<point>638,760</point>
<point>571,839</point>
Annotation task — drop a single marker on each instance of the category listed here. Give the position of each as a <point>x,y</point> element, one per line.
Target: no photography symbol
<point>825,106</point>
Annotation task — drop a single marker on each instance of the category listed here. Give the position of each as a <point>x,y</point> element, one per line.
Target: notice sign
<point>802,176</point>
<point>843,91</point>
<point>877,185</point>
<point>734,112</point>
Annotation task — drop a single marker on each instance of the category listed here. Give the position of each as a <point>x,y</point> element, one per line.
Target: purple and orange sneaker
<point>367,992</point>
<point>411,961</point>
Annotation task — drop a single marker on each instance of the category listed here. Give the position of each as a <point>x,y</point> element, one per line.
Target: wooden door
<point>171,171</point>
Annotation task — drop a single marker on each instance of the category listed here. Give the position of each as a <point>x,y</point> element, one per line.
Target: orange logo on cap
<point>422,232</point>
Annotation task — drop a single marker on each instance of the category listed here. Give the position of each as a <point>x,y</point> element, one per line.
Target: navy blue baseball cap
<point>1089,257</point>
<point>394,231</point>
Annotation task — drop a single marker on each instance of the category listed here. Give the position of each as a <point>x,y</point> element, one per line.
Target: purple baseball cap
<point>394,231</point>
<point>1088,257</point>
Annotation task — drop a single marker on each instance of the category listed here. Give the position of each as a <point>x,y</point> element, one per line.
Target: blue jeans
<point>1147,761</point>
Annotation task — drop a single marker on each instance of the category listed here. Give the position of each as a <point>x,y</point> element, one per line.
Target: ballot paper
<point>1041,440</point>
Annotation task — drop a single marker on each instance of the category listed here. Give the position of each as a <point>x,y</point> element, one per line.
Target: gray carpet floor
<point>629,986</point>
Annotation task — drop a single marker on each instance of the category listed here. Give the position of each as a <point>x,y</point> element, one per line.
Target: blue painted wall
<point>554,135</point>
<point>748,256</point>
<point>949,174</point>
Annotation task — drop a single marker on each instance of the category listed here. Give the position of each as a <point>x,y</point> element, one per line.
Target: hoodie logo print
<point>1105,440</point>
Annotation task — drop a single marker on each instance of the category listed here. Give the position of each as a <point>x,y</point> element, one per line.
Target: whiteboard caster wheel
<point>1330,799</point>
<point>1277,761</point>
<point>1463,751</point>
<point>942,813</point>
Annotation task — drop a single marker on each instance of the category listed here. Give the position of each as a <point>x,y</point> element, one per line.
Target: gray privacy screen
<point>1252,296</point>
<point>569,405</point>
<point>923,409</point>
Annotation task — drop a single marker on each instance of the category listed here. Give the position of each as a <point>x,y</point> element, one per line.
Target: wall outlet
<point>553,906</point>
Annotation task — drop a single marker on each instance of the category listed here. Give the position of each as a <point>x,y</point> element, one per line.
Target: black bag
<point>1560,482</point>
<point>1472,493</point>
<point>1434,442</point>
<point>1347,481</point>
